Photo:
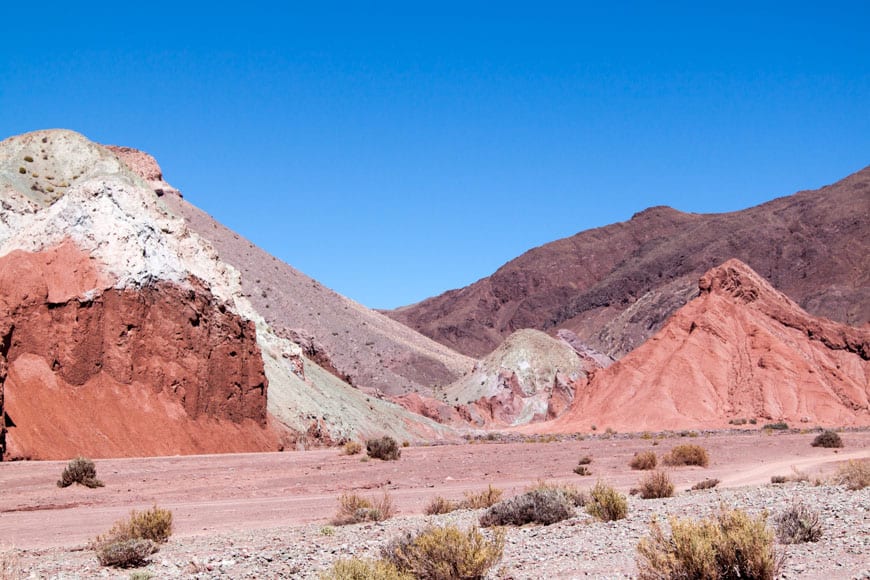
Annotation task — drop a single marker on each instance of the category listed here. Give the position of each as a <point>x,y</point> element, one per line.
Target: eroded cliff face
<point>86,368</point>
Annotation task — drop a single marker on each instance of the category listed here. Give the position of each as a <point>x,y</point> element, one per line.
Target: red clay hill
<point>740,350</point>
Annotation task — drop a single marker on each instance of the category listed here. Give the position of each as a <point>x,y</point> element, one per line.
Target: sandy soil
<point>216,493</point>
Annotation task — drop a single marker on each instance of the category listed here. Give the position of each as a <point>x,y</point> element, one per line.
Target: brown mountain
<point>615,286</point>
<point>740,350</point>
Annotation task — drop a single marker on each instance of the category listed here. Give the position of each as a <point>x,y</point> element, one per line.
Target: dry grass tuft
<point>358,569</point>
<point>354,509</point>
<point>606,504</point>
<point>854,475</point>
<point>656,484</point>
<point>352,448</point>
<point>440,505</point>
<point>483,499</point>
<point>687,455</point>
<point>798,524</point>
<point>442,553</point>
<point>730,545</point>
<point>644,460</point>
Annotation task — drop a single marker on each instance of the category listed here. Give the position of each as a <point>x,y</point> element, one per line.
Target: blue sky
<point>396,150</point>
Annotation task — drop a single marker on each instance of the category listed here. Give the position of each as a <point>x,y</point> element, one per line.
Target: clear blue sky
<point>396,150</point>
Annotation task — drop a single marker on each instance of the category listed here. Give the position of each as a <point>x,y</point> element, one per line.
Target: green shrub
<point>730,545</point>
<point>828,439</point>
<point>854,475</point>
<point>644,460</point>
<point>128,553</point>
<point>541,506</point>
<point>358,569</point>
<point>354,509</point>
<point>445,553</point>
<point>798,524</point>
<point>352,448</point>
<point>384,448</point>
<point>687,455</point>
<point>80,470</point>
<point>705,484</point>
<point>606,504</point>
<point>656,485</point>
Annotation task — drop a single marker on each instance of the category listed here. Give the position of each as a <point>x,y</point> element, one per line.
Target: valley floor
<point>267,515</point>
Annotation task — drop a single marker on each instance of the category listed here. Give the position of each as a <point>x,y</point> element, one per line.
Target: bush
<point>656,485</point>
<point>125,553</point>
<point>585,460</point>
<point>574,494</point>
<point>582,470</point>
<point>778,426</point>
<point>731,545</point>
<point>798,524</point>
<point>705,484</point>
<point>353,509</point>
<point>154,524</point>
<point>484,499</point>
<point>541,506</point>
<point>687,455</point>
<point>606,504</point>
<point>80,470</point>
<point>644,460</point>
<point>777,479</point>
<point>384,448</point>
<point>352,448</point>
<point>440,505</point>
<point>357,569</point>
<point>854,475</point>
<point>827,439</point>
<point>446,553</point>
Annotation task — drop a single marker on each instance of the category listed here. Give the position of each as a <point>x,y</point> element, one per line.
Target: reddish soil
<point>208,494</point>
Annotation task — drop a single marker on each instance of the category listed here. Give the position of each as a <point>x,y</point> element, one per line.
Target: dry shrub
<point>353,509</point>
<point>606,504</point>
<point>484,499</point>
<point>384,448</point>
<point>80,470</point>
<point>541,506</point>
<point>687,455</point>
<point>585,460</point>
<point>575,495</point>
<point>644,460</point>
<point>582,470</point>
<point>777,479</point>
<point>129,542</point>
<point>827,439</point>
<point>445,553</point>
<point>730,545</point>
<point>10,564</point>
<point>125,553</point>
<point>854,475</point>
<point>358,569</point>
<point>656,485</point>
<point>352,448</point>
<point>798,524</point>
<point>705,484</point>
<point>440,505</point>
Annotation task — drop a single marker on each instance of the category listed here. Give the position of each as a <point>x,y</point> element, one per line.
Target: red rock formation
<point>104,372</point>
<point>739,350</point>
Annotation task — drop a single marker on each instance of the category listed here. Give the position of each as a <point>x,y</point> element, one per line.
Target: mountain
<point>740,350</point>
<point>123,332</point>
<point>615,286</point>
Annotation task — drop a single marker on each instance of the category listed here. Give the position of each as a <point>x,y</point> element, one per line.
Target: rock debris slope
<point>740,350</point>
<point>615,286</point>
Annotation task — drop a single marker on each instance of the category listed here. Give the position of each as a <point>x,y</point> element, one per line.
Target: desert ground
<point>268,515</point>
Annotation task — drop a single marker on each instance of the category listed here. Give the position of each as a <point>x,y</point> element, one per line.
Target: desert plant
<point>854,475</point>
<point>705,484</point>
<point>777,479</point>
<point>358,569</point>
<point>643,460</point>
<point>541,506</point>
<point>582,470</point>
<point>827,439</point>
<point>575,495</point>
<point>141,575</point>
<point>128,553</point>
<point>778,426</point>
<point>129,542</point>
<point>80,470</point>
<point>656,484</point>
<point>730,545</point>
<point>483,499</point>
<point>353,509</point>
<point>351,448</point>
<point>384,448</point>
<point>606,504</point>
<point>740,421</point>
<point>798,524</point>
<point>154,524</point>
<point>440,505</point>
<point>445,553</point>
<point>687,455</point>
<point>585,460</point>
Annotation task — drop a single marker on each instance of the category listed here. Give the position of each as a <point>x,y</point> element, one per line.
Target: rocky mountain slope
<point>740,350</point>
<point>615,286</point>
<point>122,332</point>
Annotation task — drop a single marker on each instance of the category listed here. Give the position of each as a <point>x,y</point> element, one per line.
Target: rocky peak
<point>145,166</point>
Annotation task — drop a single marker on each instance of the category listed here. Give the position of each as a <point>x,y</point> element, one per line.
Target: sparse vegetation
<point>798,524</point>
<point>656,485</point>
<point>778,479</point>
<point>384,448</point>
<point>80,470</point>
<point>644,460</point>
<point>352,448</point>
<point>830,439</point>
<point>854,475</point>
<point>445,553</point>
<point>484,499</point>
<point>740,421</point>
<point>129,542</point>
<point>540,506</point>
<point>354,509</point>
<point>582,470</point>
<point>440,505</point>
<point>359,569</point>
<point>730,545</point>
<point>778,426</point>
<point>705,484</point>
<point>606,504</point>
<point>125,553</point>
<point>686,455</point>
<point>585,460</point>
<point>574,494</point>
